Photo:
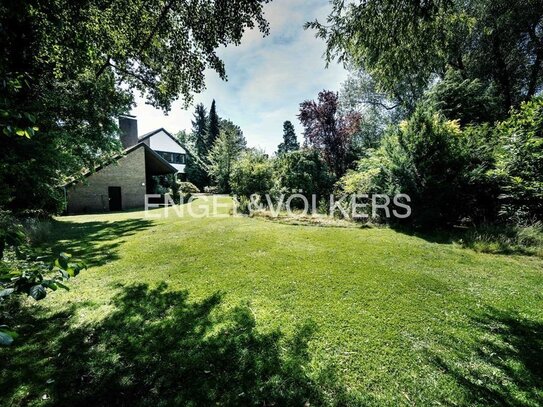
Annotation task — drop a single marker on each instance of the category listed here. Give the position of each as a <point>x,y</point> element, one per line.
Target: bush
<point>303,171</point>
<point>186,189</point>
<point>212,189</point>
<point>252,174</point>
<point>24,273</point>
<point>519,166</point>
<point>443,169</point>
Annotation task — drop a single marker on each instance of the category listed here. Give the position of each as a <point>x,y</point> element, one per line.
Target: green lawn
<point>237,311</point>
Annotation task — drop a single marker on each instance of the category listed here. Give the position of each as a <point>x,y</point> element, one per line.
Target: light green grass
<point>399,320</point>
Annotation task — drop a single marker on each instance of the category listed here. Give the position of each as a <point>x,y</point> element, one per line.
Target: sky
<point>268,78</point>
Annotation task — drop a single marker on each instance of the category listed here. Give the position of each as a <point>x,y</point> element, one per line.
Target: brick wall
<point>91,195</point>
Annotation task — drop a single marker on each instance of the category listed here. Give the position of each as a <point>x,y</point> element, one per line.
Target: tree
<point>406,45</point>
<point>183,137</point>
<point>252,174</point>
<point>302,170</point>
<point>360,93</point>
<point>224,153</point>
<point>290,142</point>
<point>78,69</point>
<point>469,100</point>
<point>328,131</point>
<point>441,167</point>
<point>228,125</point>
<point>214,129</point>
<point>200,130</point>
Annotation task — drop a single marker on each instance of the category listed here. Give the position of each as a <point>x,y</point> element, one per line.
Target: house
<point>124,183</point>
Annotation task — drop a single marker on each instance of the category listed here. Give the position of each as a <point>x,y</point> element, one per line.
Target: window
<point>172,158</point>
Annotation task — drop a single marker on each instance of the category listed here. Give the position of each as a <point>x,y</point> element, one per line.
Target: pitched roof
<point>129,150</point>
<point>152,133</point>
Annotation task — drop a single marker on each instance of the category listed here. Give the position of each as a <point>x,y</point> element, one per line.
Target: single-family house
<point>123,183</point>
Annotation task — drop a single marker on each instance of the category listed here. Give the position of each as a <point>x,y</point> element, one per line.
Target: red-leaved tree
<point>328,131</point>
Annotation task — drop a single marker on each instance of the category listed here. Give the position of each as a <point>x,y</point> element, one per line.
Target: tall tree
<point>405,45</point>
<point>225,151</point>
<point>200,130</point>
<point>327,130</point>
<point>290,142</point>
<point>228,125</point>
<point>196,166</point>
<point>72,70</point>
<point>361,93</point>
<point>214,128</point>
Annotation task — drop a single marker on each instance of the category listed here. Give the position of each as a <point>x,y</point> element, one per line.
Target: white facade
<point>162,142</point>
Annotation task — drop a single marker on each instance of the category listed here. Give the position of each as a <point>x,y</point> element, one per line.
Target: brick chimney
<point>129,130</point>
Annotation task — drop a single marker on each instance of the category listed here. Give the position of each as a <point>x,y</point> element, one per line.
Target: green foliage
<point>519,166</point>
<point>442,168</point>
<point>405,45</point>
<point>214,128</point>
<point>302,171</point>
<point>290,142</point>
<point>361,93</point>
<point>468,100</point>
<point>251,174</point>
<point>71,71</point>
<point>187,189</point>
<point>13,121</point>
<point>223,155</point>
<point>369,176</point>
<point>22,272</point>
<point>200,130</point>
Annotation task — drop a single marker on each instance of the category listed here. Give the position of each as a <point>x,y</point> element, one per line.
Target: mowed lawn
<point>236,311</point>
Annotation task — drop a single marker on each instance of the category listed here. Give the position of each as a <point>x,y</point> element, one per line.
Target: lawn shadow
<point>505,368</point>
<point>158,349</point>
<point>97,242</point>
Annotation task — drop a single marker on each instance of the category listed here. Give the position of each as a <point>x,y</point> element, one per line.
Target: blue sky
<point>267,78</point>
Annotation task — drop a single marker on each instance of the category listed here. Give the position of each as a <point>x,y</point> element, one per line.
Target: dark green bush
<point>302,171</point>
<point>252,174</point>
<point>442,168</point>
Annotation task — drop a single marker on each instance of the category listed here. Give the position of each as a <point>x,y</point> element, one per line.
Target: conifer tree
<point>290,142</point>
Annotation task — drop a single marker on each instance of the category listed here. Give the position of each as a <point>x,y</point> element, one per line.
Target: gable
<point>162,141</point>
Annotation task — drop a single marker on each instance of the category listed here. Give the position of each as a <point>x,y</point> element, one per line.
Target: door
<point>115,198</point>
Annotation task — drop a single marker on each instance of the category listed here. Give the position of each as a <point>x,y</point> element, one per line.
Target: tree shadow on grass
<point>95,243</point>
<point>158,349</point>
<point>506,366</point>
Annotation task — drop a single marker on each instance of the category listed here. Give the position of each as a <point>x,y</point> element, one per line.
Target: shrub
<point>211,189</point>
<point>252,174</point>
<point>302,171</point>
<point>23,273</point>
<point>443,169</point>
<point>519,166</point>
<point>186,189</point>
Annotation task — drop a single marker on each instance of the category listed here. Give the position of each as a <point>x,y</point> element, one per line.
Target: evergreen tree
<point>214,128</point>
<point>199,130</point>
<point>290,142</point>
<point>194,169</point>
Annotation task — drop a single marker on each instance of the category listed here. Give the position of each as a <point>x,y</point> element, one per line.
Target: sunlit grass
<point>398,319</point>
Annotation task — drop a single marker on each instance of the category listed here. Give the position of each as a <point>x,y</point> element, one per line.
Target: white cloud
<point>267,77</point>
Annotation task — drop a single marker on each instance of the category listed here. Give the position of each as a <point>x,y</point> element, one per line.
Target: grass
<point>238,311</point>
